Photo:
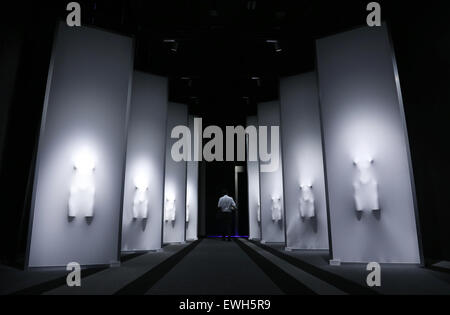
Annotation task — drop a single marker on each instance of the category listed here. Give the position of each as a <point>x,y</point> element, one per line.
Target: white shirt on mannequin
<point>307,202</point>
<point>188,213</point>
<point>170,213</point>
<point>140,200</point>
<point>276,209</point>
<point>258,214</point>
<point>365,187</point>
<point>140,203</point>
<point>82,191</point>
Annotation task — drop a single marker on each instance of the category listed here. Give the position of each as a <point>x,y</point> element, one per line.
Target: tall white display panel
<point>370,185</point>
<point>77,196</point>
<point>254,203</point>
<point>303,172</point>
<point>144,179</point>
<point>175,181</point>
<point>271,183</point>
<point>192,190</point>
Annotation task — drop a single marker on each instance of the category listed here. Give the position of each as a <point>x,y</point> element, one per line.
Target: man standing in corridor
<point>225,216</point>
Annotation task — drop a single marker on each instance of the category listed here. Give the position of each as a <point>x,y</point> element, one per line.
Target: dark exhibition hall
<point>224,154</point>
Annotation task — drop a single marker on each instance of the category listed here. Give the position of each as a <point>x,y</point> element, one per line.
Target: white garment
<point>140,203</point>
<point>307,202</point>
<point>170,213</point>
<point>366,196</point>
<point>227,204</point>
<point>81,201</point>
<point>258,212</point>
<point>187,213</point>
<point>276,209</point>
<point>365,187</point>
<point>82,193</point>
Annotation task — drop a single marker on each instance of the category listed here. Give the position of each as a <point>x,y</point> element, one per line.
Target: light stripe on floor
<point>111,280</point>
<point>315,284</point>
<point>216,268</point>
<point>141,285</point>
<point>342,283</point>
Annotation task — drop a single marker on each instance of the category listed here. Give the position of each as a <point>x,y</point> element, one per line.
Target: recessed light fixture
<point>257,79</point>
<point>194,99</point>
<point>173,44</point>
<point>276,44</point>
<point>188,79</point>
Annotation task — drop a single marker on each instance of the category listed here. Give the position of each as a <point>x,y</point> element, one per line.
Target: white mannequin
<point>170,213</point>
<point>82,191</point>
<point>365,186</point>
<point>276,209</point>
<point>258,212</point>
<point>187,213</point>
<point>140,201</point>
<point>307,202</point>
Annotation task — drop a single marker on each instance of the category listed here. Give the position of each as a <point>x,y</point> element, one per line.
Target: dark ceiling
<point>216,51</point>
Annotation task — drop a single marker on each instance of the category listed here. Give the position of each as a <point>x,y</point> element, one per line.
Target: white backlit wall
<point>84,125</point>
<point>271,184</point>
<point>174,224</point>
<point>192,191</point>
<point>144,178</point>
<point>363,122</point>
<point>254,203</point>
<point>304,181</point>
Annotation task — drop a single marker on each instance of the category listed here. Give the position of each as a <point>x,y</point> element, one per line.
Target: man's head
<point>224,192</point>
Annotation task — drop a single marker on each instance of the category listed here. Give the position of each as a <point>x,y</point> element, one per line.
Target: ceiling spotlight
<point>174,47</point>
<point>276,45</point>
<point>173,44</point>
<point>189,80</point>
<point>258,80</point>
<point>194,100</point>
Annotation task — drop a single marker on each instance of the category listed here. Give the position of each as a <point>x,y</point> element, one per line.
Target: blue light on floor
<point>220,236</point>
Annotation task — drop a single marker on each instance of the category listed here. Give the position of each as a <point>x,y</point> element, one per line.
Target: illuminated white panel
<point>175,181</point>
<point>76,209</point>
<point>363,120</point>
<point>271,183</point>
<point>143,202</point>
<point>254,206</point>
<point>306,208</point>
<point>192,191</point>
